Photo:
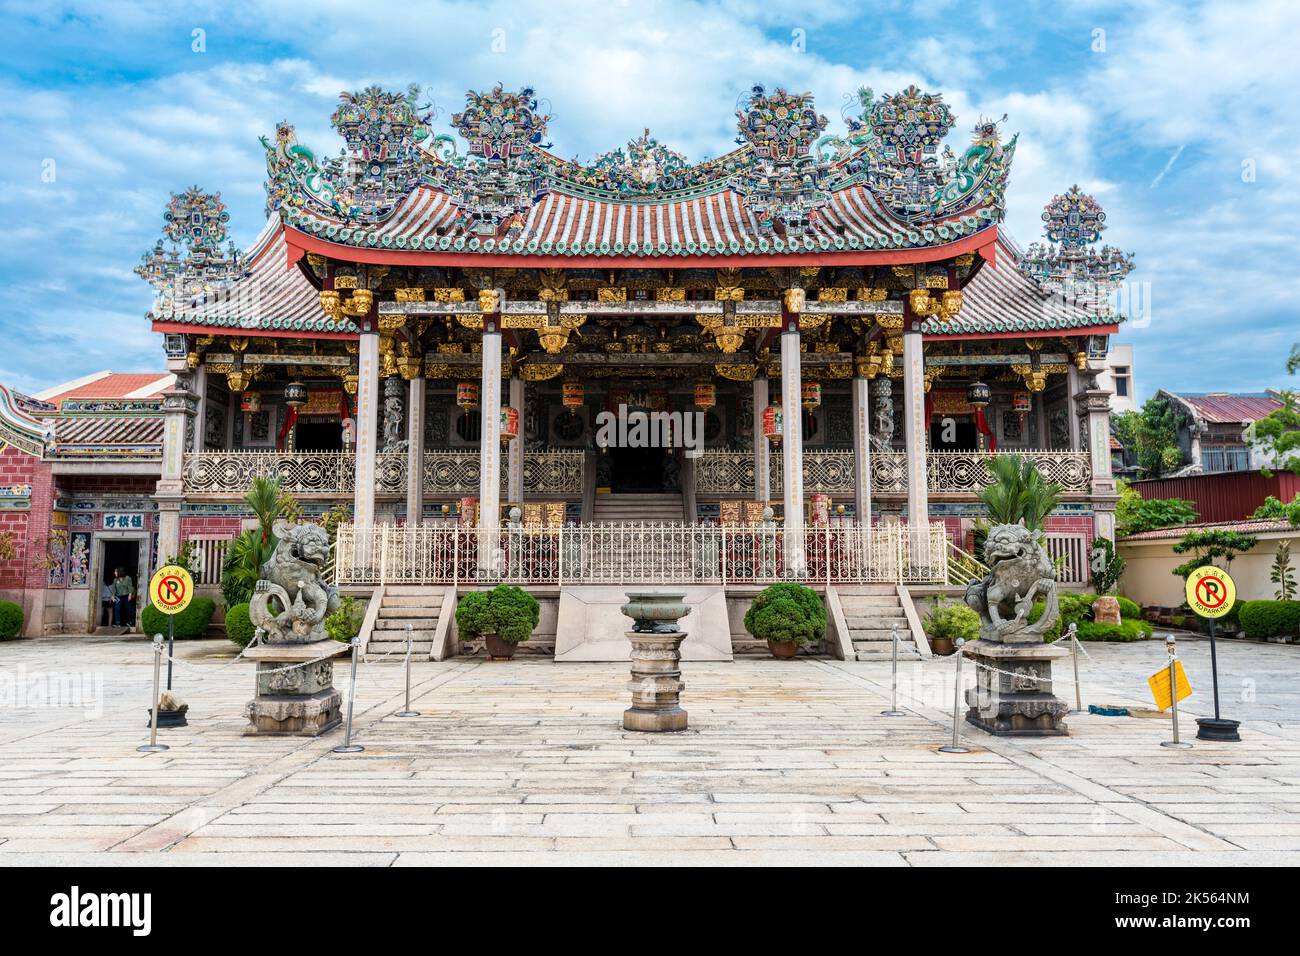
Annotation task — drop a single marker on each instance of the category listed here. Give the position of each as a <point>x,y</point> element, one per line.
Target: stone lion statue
<point>1020,572</point>
<point>291,601</point>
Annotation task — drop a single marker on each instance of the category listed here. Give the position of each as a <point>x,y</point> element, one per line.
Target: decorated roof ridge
<point>785,171</point>
<point>20,428</point>
<point>1069,263</point>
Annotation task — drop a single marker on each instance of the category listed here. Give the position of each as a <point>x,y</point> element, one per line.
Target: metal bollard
<point>406,711</point>
<point>893,666</point>
<point>1173,694</point>
<point>956,747</point>
<point>153,746</point>
<point>348,746</point>
<point>1074,647</point>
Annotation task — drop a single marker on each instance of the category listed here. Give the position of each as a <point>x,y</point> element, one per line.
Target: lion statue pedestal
<point>295,673</point>
<point>1012,696</point>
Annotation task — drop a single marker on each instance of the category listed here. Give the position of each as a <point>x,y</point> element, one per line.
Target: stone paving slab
<point>526,763</point>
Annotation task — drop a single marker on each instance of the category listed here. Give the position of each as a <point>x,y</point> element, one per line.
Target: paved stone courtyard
<point>526,763</point>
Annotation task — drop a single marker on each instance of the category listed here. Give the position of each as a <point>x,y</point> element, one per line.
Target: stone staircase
<point>403,604</point>
<point>637,507</point>
<point>870,611</point>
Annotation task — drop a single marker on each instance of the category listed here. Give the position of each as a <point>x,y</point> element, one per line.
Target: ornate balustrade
<point>727,471</point>
<point>446,473</point>
<point>641,553</point>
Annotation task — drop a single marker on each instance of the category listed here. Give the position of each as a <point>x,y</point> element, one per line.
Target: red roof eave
<point>1028,333</point>
<point>192,328</point>
<point>299,243</point>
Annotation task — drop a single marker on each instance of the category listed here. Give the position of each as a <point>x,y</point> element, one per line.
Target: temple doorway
<point>952,434</point>
<point>638,470</point>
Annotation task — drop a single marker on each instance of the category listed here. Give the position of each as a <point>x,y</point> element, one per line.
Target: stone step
<point>401,613</point>
<point>878,634</point>
<point>877,621</point>
<point>411,600</point>
<point>865,590</point>
<point>404,590</point>
<point>417,623</point>
<point>396,653</point>
<point>905,652</point>
<point>869,600</point>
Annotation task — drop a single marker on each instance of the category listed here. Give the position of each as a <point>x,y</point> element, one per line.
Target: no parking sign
<point>1210,591</point>
<point>171,589</point>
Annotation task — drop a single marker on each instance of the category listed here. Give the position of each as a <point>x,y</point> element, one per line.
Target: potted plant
<point>947,622</point>
<point>787,616</point>
<point>503,617</point>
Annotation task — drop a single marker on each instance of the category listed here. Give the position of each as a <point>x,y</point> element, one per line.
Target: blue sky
<point>1181,118</point>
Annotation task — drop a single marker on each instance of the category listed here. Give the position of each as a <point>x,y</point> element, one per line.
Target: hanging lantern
<point>467,395</point>
<point>573,394</point>
<point>772,423</point>
<point>811,394</point>
<point>295,394</point>
<point>252,402</point>
<point>978,395</point>
<point>1020,403</point>
<point>509,423</point>
<point>706,395</point>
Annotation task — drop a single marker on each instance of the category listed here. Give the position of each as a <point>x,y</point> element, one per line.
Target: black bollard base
<point>168,718</point>
<point>1217,728</point>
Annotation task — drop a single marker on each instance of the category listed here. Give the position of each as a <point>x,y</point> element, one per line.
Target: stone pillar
<point>201,407</point>
<point>415,451</point>
<point>1095,401</point>
<point>489,489</point>
<point>914,433</point>
<point>862,449</point>
<point>792,449</point>
<point>179,407</point>
<point>882,390</point>
<point>367,419</point>
<point>515,471</point>
<point>762,450</point>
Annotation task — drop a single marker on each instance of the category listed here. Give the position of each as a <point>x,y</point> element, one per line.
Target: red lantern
<point>812,394</point>
<point>573,394</point>
<point>1020,403</point>
<point>509,423</point>
<point>467,395</point>
<point>772,423</point>
<point>706,395</point>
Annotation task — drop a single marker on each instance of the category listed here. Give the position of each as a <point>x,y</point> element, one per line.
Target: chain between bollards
<point>893,675</point>
<point>1173,693</point>
<point>1074,650</point>
<point>956,747</point>
<point>153,746</point>
<point>406,711</point>
<point>348,746</point>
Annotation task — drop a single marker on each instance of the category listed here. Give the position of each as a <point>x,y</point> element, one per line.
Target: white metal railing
<point>209,555</point>
<point>730,471</point>
<point>643,553</point>
<point>552,472</point>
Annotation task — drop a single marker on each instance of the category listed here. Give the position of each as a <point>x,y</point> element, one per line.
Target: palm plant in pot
<point>787,616</point>
<point>504,617</point>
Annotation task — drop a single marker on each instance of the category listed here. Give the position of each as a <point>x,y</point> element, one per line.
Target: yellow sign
<point>1210,592</point>
<point>1159,683</point>
<point>171,588</point>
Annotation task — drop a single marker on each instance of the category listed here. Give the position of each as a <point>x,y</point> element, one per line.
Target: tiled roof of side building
<point>1225,408</point>
<point>109,385</point>
<point>1244,527</point>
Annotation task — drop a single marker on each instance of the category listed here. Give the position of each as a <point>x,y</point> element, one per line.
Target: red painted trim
<point>256,333</point>
<point>297,242</point>
<point>1026,334</point>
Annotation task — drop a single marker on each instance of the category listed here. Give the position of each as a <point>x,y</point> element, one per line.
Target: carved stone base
<point>1016,699</point>
<point>656,683</point>
<point>300,702</point>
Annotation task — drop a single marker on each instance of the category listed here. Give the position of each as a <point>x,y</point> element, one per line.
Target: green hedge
<point>1270,618</point>
<point>238,627</point>
<point>787,613</point>
<point>506,611</point>
<point>1129,629</point>
<point>1077,609</point>
<point>11,620</point>
<point>191,622</point>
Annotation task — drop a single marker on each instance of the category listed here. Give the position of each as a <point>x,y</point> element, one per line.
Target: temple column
<point>862,449</point>
<point>201,407</point>
<point>415,449</point>
<point>792,435</point>
<point>1095,401</point>
<point>914,434</point>
<point>515,476</point>
<point>489,489</point>
<point>367,425</point>
<point>179,407</point>
<point>762,450</point>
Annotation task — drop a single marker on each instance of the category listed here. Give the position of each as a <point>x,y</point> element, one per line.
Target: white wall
<point>1149,579</point>
<point>1120,355</point>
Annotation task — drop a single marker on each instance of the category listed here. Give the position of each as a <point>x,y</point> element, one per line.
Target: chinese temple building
<point>790,361</point>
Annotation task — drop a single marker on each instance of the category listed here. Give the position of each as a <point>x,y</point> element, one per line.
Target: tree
<point>1274,509</point>
<point>1135,514</point>
<point>1152,434</point>
<point>1206,545</point>
<point>1277,435</point>
<point>1107,566</point>
<point>1018,492</point>
<point>246,554</point>
<point>1282,573</point>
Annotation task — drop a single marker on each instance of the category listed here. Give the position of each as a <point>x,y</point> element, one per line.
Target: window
<point>1225,458</point>
<point>1120,374</point>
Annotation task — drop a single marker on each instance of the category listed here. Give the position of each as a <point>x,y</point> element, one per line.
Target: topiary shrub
<point>11,620</point>
<point>506,611</point>
<point>952,621</point>
<point>787,613</point>
<point>1262,619</point>
<point>191,622</point>
<point>1129,629</point>
<point>1128,608</point>
<point>239,628</point>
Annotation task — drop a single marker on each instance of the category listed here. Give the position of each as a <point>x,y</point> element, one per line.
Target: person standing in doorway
<point>123,590</point>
